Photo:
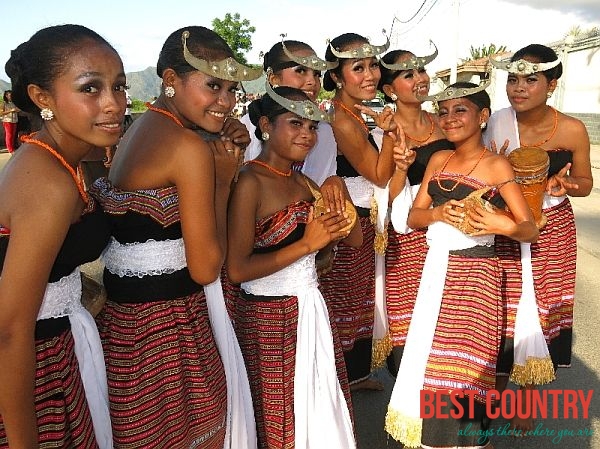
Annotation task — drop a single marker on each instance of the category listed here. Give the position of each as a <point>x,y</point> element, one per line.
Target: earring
<point>482,125</point>
<point>393,96</point>
<point>549,94</point>
<point>265,136</point>
<point>170,91</point>
<point>47,114</point>
<point>275,86</point>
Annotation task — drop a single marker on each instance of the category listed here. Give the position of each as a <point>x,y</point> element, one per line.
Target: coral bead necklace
<point>460,177</point>
<point>165,112</point>
<point>352,114</point>
<point>271,169</point>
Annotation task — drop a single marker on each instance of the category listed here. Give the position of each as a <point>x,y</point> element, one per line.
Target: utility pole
<point>453,66</point>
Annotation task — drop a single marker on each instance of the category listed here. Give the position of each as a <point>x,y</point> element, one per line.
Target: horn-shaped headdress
<point>310,61</point>
<point>364,51</point>
<point>304,108</point>
<point>451,93</point>
<point>226,69</point>
<point>412,63</point>
<point>522,67</point>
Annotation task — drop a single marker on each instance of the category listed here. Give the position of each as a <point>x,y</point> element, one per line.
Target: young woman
<point>295,64</point>
<point>454,336</point>
<point>350,286</point>
<point>166,195</point>
<point>404,82</point>
<point>52,377</point>
<point>546,268</point>
<point>289,340</point>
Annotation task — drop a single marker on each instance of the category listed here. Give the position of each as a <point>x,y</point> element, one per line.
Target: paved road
<point>370,407</point>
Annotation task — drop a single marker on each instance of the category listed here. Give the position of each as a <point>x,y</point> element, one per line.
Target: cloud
<point>587,10</point>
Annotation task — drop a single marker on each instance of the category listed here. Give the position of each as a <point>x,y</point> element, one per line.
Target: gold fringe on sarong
<point>535,372</point>
<point>403,428</point>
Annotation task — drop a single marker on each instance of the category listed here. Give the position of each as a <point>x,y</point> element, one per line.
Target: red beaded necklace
<point>358,119</point>
<point>56,154</point>
<point>539,144</point>
<point>165,112</point>
<point>428,135</point>
<point>461,177</point>
<point>271,169</point>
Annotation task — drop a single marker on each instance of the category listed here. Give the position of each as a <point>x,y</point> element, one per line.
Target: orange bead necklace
<point>358,119</point>
<point>56,154</point>
<point>554,128</point>
<point>431,130</point>
<point>271,169</point>
<point>461,177</point>
<point>165,112</point>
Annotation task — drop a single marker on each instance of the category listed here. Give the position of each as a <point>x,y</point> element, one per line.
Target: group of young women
<point>246,299</point>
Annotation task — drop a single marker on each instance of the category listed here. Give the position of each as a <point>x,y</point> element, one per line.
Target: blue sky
<point>137,29</point>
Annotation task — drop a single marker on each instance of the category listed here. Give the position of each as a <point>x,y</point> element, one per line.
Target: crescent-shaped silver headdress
<point>226,69</point>
<point>364,51</point>
<point>523,67</point>
<point>412,63</point>
<point>451,93</point>
<point>304,108</point>
<point>310,61</point>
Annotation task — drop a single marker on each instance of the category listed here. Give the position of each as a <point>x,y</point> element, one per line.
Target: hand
<point>452,212</point>
<point>236,132</point>
<point>384,119</point>
<point>403,156</point>
<point>334,194</point>
<point>321,231</point>
<point>559,183</point>
<point>502,149</point>
<point>227,156</point>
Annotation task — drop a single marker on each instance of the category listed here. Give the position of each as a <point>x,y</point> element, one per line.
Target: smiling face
<point>359,78</point>
<point>205,100</point>
<point>291,136</point>
<point>525,92</point>
<point>410,83</point>
<point>300,77</point>
<point>461,119</point>
<point>88,98</point>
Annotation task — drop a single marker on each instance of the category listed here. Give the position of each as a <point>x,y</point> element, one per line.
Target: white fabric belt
<point>287,281</point>
<point>361,191</point>
<point>150,258</point>
<point>63,298</point>
<point>551,201</point>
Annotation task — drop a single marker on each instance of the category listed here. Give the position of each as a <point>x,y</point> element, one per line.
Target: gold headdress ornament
<point>364,51</point>
<point>451,93</point>
<point>226,69</point>
<point>310,61</point>
<point>522,67</point>
<point>304,108</point>
<point>412,63</point>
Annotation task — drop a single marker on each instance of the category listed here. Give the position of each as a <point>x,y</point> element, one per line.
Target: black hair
<point>481,99</point>
<point>278,60</point>
<point>340,43</point>
<point>5,95</point>
<point>388,76</point>
<point>267,107</point>
<point>542,54</point>
<point>202,43</point>
<point>44,58</point>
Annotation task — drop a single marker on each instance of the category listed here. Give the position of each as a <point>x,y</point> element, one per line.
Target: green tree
<point>236,32</point>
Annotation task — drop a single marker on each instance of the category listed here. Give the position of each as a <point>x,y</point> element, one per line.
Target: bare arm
<point>39,220</point>
<point>353,143</point>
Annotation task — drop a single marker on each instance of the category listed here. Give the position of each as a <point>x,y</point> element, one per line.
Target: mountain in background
<point>145,85</point>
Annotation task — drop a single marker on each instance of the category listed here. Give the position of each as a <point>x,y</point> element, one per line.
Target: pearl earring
<point>549,94</point>
<point>338,86</point>
<point>265,136</point>
<point>482,125</point>
<point>393,96</point>
<point>170,91</point>
<point>47,114</point>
